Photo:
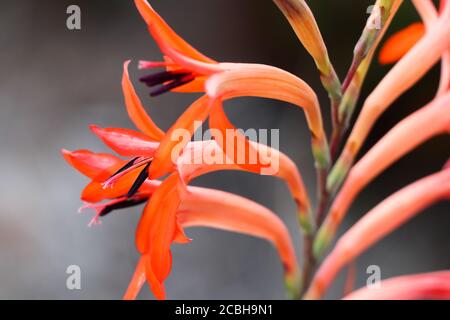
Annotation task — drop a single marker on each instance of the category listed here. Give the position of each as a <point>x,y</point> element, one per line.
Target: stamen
<point>133,164</point>
<point>129,164</point>
<point>103,209</point>
<point>123,205</point>
<point>139,181</point>
<point>161,77</point>
<point>172,85</point>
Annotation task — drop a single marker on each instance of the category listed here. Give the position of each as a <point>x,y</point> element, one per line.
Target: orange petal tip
<point>400,43</point>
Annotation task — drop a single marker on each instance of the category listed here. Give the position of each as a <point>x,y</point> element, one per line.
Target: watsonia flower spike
<point>380,221</point>
<point>399,79</point>
<point>404,137</point>
<point>302,21</point>
<point>425,286</point>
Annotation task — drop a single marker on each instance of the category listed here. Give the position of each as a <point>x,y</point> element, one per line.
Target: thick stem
<point>309,263</point>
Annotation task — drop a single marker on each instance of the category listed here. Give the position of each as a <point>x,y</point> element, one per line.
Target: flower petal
<point>267,82</point>
<point>127,143</point>
<point>95,191</point>
<point>158,222</point>
<point>166,155</point>
<point>238,149</point>
<point>400,43</point>
<point>217,209</point>
<point>97,166</point>
<point>155,284</point>
<point>164,35</point>
<point>137,281</point>
<point>135,109</point>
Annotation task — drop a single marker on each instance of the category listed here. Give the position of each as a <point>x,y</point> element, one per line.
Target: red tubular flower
<point>186,65</point>
<point>166,215</point>
<point>127,185</point>
<point>157,147</point>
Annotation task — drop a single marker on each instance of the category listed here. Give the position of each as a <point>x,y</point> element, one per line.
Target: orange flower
<point>126,183</point>
<point>188,70</point>
<point>400,43</point>
<point>166,215</point>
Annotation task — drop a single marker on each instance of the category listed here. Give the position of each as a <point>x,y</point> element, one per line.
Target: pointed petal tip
<point>95,129</point>
<point>67,155</point>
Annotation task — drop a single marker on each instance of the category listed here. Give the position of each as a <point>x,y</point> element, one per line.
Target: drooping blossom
<point>201,207</point>
<point>158,226</point>
<point>188,70</point>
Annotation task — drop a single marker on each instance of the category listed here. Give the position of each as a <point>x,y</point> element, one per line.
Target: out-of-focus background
<point>55,82</point>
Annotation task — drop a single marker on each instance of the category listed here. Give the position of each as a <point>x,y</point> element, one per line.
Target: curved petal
<point>158,223</point>
<point>270,82</point>
<point>164,35</point>
<point>217,209</point>
<point>380,221</point>
<point>95,191</point>
<point>267,82</point>
<point>260,159</point>
<point>136,111</point>
<point>397,45</point>
<point>166,155</point>
<point>137,281</point>
<point>125,142</point>
<point>155,284</point>
<point>239,150</point>
<point>97,166</point>
<point>433,285</point>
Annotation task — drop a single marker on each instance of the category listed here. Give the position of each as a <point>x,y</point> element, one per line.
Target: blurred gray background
<point>55,82</point>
